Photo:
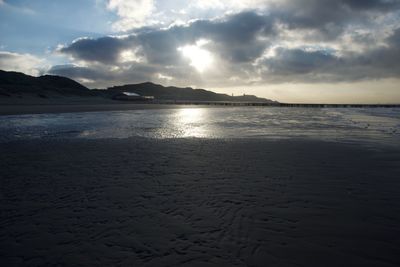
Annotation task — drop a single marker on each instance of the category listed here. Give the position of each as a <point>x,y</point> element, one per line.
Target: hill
<point>181,94</point>
<point>16,83</point>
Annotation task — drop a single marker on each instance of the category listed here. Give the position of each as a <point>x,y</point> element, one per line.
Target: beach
<point>43,108</point>
<point>82,105</point>
<point>246,133</point>
<point>198,202</point>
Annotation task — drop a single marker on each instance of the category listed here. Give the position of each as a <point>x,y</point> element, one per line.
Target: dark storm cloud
<point>373,4</point>
<point>240,40</point>
<point>394,39</point>
<point>239,29</point>
<point>384,61</point>
<point>104,49</point>
<point>329,17</point>
<point>235,37</point>
<point>298,61</point>
<point>301,65</point>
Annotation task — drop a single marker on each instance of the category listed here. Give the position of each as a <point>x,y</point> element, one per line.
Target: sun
<point>199,58</point>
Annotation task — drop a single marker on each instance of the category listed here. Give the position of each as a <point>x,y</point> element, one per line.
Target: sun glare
<point>199,58</point>
<point>191,122</point>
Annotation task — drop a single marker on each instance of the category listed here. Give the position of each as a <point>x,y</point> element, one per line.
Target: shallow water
<point>369,125</point>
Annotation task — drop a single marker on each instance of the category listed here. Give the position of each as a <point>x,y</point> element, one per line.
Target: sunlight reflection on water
<point>191,122</point>
<point>370,125</point>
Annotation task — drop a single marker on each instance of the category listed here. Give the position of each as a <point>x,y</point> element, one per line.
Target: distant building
<point>129,96</point>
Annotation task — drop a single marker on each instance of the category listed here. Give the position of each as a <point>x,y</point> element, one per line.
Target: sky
<point>314,51</point>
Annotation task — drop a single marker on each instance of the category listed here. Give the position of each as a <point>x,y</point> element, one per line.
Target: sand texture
<point>198,202</point>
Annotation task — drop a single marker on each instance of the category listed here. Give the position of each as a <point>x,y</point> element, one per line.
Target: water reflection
<point>372,125</point>
<point>191,122</point>
<point>191,115</point>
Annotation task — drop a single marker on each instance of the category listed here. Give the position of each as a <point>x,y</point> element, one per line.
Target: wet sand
<point>85,107</point>
<point>198,202</point>
<point>82,106</point>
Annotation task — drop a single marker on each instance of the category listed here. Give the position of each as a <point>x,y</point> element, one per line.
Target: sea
<point>353,125</point>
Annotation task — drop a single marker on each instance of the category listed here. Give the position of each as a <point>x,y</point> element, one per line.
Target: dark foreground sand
<point>142,202</point>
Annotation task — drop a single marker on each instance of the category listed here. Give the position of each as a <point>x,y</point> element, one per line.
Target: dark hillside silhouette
<point>18,84</point>
<point>181,94</point>
<point>12,83</point>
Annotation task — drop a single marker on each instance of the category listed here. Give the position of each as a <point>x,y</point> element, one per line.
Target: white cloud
<point>85,81</point>
<point>138,13</point>
<point>26,63</point>
<point>232,5</point>
<point>132,13</point>
<point>164,77</point>
<point>130,55</point>
<point>207,4</point>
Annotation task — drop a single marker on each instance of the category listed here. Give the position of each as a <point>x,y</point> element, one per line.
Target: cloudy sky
<point>293,51</point>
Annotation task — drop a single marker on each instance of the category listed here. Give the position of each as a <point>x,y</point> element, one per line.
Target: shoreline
<point>6,110</point>
<point>42,108</point>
